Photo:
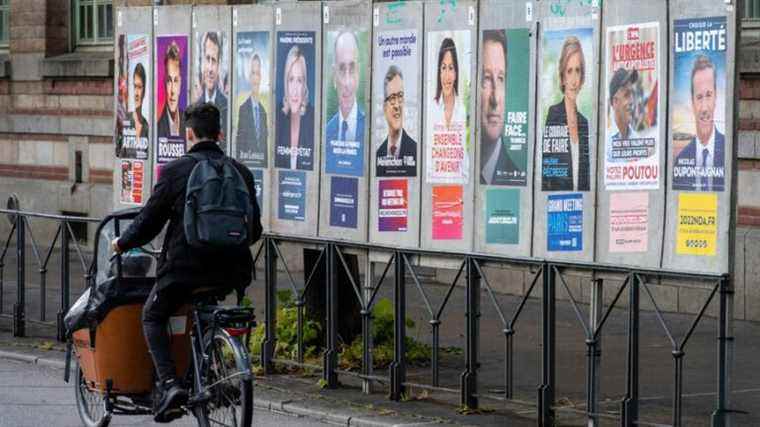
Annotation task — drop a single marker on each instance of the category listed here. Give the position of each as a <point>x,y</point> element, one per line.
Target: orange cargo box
<point>120,353</point>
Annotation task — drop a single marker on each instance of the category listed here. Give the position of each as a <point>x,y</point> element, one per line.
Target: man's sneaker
<point>168,407</point>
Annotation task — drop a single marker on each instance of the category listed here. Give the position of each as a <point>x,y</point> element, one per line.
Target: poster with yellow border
<point>697,231</point>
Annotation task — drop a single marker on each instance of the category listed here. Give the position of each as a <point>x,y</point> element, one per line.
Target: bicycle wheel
<point>227,375</point>
<point>91,405</point>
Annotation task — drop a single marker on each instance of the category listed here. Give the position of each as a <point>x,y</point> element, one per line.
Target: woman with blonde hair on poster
<point>295,120</point>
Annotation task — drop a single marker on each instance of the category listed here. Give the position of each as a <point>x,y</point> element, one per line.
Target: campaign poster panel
<point>396,78</point>
<point>699,104</point>
<point>697,228</point>
<point>632,134</point>
<point>564,222</point>
<point>171,96</point>
<point>347,53</point>
<point>629,222</point>
<point>343,201</point>
<point>258,182</point>
<point>502,216</point>
<point>213,78</point>
<point>294,100</point>
<point>447,151</point>
<point>292,197</point>
<point>253,92</point>
<point>448,210</point>
<point>504,103</point>
<point>393,206</point>
<point>133,110</point>
<point>566,76</point>
<point>132,182</point>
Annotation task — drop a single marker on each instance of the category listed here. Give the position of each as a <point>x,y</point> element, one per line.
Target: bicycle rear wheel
<point>91,405</point>
<point>227,375</point>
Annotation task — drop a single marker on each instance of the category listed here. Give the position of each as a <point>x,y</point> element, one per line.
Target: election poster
<point>447,148</point>
<point>132,181</point>
<point>132,127</point>
<point>566,107</point>
<point>504,102</point>
<point>258,182</point>
<point>502,216</point>
<point>292,195</point>
<point>294,100</point>
<point>699,104</point>
<point>629,222</point>
<point>346,106</point>
<point>565,222</point>
<point>343,201</point>
<point>171,96</point>
<point>211,79</point>
<point>253,93</point>
<point>632,159</point>
<point>697,228</point>
<point>397,107</point>
<point>448,210</point>
<point>393,205</point>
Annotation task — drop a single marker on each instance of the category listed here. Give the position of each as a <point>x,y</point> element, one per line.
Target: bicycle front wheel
<point>228,379</point>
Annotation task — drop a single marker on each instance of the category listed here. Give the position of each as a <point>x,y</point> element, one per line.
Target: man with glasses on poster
<point>397,155</point>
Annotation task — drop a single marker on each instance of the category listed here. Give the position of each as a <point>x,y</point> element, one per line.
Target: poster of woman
<point>447,148</point>
<point>566,105</point>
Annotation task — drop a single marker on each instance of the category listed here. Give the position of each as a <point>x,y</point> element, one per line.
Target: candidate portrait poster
<point>347,54</point>
<point>211,74</point>
<point>632,137</point>
<point>448,149</point>
<point>567,105</point>
<point>699,103</point>
<point>397,104</point>
<point>133,110</point>
<point>294,100</point>
<point>253,93</point>
<point>172,71</point>
<point>504,102</point>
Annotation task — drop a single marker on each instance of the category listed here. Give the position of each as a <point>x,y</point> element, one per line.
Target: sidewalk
<point>656,362</point>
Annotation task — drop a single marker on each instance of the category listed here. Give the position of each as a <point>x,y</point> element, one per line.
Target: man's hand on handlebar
<point>115,246</point>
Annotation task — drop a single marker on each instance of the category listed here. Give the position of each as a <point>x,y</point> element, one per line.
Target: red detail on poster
<point>448,209</point>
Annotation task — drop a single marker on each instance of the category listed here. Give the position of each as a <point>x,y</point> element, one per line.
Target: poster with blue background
<point>343,204</point>
<point>565,222</point>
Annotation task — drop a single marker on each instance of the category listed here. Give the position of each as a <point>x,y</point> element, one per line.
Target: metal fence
<point>547,276</point>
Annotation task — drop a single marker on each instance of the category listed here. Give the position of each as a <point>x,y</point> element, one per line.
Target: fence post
<point>722,415</point>
<point>270,309</point>
<point>19,326</point>
<point>469,379</point>
<point>366,313</point>
<point>630,407</point>
<point>594,352</point>
<point>548,333</point>
<point>398,366</point>
<point>65,281</point>
<point>330,363</point>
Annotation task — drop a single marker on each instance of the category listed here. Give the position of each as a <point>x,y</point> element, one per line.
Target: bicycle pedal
<point>198,399</point>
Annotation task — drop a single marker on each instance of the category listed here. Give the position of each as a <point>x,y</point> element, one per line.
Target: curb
<point>287,407</point>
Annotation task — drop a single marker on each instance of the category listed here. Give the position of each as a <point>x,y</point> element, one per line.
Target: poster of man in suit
<point>396,104</point>
<point>252,98</point>
<point>211,68</point>
<point>698,114</point>
<point>171,96</point>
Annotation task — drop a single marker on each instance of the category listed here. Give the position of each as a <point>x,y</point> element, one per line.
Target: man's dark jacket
<point>180,264</point>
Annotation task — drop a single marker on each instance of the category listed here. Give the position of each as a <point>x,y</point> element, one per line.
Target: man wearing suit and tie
<point>252,129</point>
<point>700,165</point>
<point>397,155</point>
<point>347,124</point>
<point>212,53</point>
<point>172,123</point>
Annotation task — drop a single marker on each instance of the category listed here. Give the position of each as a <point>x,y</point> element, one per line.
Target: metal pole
<point>594,353</point>
<point>398,366</point>
<point>330,362</point>
<point>299,328</point>
<point>677,387</point>
<point>469,378</point>
<point>366,313</point>
<point>65,280</point>
<point>630,405</point>
<point>270,286</point>
<point>19,327</point>
<point>435,362</point>
<point>509,374</point>
<point>548,333</point>
<point>721,415</point>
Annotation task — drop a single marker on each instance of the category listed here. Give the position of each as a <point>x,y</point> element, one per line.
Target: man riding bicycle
<point>183,268</point>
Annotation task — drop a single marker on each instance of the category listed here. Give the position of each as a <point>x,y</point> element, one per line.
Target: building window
<point>94,21</point>
<point>5,11</point>
<point>752,9</point>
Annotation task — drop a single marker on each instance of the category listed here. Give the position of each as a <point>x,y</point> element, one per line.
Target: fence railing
<point>548,276</point>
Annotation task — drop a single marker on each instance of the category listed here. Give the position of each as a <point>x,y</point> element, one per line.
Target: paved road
<point>33,396</point>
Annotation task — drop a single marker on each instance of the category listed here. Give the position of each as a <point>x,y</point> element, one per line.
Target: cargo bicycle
<point>113,370</point>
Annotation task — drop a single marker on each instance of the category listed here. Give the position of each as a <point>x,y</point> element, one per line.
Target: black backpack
<point>218,209</point>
